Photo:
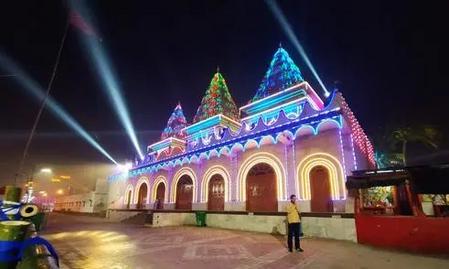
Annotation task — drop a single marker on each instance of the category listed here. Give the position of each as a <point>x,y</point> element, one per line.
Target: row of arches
<point>261,185</point>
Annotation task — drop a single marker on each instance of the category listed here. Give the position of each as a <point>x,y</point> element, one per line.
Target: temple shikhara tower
<point>286,140</point>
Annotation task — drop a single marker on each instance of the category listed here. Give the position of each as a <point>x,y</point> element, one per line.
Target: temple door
<point>216,193</point>
<point>321,200</point>
<point>184,193</point>
<point>142,198</point>
<point>128,200</point>
<point>261,190</point>
<point>160,195</point>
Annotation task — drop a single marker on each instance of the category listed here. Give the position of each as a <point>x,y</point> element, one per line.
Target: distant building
<point>90,202</point>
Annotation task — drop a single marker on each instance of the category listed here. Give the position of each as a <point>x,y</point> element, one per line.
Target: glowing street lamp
<point>60,192</point>
<point>46,170</point>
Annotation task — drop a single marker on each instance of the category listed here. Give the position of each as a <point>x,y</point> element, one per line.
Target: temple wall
<point>334,146</point>
<point>116,193</point>
<point>329,226</point>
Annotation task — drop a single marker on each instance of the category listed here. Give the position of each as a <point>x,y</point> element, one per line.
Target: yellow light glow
<point>65,177</point>
<point>214,170</point>
<point>55,180</point>
<point>46,170</point>
<point>98,244</point>
<point>270,159</point>
<point>60,191</point>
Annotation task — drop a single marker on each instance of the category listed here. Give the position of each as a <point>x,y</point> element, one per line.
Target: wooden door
<point>128,200</point>
<point>160,196</point>
<point>261,190</point>
<point>142,198</point>
<point>320,190</point>
<point>184,193</point>
<point>215,200</point>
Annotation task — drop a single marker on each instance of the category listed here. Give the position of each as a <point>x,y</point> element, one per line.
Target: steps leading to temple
<point>139,219</point>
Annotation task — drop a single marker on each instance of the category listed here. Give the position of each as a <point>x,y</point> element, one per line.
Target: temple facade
<point>286,140</point>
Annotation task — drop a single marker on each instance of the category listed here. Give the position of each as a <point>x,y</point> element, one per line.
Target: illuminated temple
<point>286,140</point>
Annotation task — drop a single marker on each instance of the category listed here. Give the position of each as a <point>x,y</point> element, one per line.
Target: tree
<point>385,150</point>
<point>427,135</point>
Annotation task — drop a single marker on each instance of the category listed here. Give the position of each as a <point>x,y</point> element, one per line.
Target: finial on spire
<point>179,104</point>
<point>280,44</point>
<point>218,69</point>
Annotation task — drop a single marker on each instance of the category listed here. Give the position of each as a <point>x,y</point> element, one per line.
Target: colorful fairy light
<point>217,100</point>
<point>288,115</point>
<point>175,124</point>
<point>281,74</point>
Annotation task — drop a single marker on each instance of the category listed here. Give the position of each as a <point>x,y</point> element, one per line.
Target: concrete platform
<point>91,243</point>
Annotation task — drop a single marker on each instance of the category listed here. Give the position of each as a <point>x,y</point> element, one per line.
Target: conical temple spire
<point>175,124</point>
<point>281,74</point>
<point>217,100</point>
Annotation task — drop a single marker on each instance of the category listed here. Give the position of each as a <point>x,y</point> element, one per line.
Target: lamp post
<point>30,183</point>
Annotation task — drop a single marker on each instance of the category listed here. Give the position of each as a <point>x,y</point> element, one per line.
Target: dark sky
<point>390,57</point>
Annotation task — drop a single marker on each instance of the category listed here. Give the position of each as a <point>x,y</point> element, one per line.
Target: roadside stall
<point>404,208</point>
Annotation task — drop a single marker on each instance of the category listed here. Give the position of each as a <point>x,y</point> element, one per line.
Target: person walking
<point>294,224</point>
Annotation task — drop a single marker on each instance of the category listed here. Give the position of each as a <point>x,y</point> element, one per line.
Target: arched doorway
<point>128,199</point>
<point>142,196</point>
<point>261,189</point>
<point>320,189</point>
<point>216,193</point>
<point>160,196</point>
<point>184,193</point>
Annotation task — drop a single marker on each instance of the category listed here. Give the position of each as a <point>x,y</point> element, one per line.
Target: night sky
<point>390,58</point>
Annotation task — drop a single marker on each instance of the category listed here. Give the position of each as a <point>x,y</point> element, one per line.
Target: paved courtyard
<point>91,243</point>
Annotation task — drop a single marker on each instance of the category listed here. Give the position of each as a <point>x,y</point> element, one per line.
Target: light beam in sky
<point>34,89</point>
<point>110,85</point>
<point>286,27</point>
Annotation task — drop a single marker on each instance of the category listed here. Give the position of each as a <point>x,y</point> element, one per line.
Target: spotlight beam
<point>286,27</point>
<point>36,91</point>
<point>101,61</point>
<point>112,89</point>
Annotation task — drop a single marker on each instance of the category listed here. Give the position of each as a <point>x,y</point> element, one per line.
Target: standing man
<point>294,222</point>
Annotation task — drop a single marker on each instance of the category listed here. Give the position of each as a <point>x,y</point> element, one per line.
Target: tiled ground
<point>91,243</point>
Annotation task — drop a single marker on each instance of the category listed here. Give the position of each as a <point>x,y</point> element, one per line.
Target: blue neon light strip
<point>207,123</point>
<point>293,125</point>
<point>273,100</point>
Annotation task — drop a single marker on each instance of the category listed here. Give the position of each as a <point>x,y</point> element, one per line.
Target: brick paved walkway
<point>91,243</point>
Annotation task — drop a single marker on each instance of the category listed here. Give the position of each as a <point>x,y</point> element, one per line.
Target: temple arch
<point>214,170</point>
<point>157,181</point>
<point>334,170</point>
<point>128,196</point>
<point>181,172</point>
<point>140,182</point>
<point>267,158</point>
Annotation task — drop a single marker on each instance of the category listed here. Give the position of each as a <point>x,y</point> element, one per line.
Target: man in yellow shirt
<point>294,224</point>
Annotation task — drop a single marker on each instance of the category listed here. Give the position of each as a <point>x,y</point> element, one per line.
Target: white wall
<point>322,227</point>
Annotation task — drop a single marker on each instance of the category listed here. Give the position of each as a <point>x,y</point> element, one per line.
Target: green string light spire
<point>217,100</point>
